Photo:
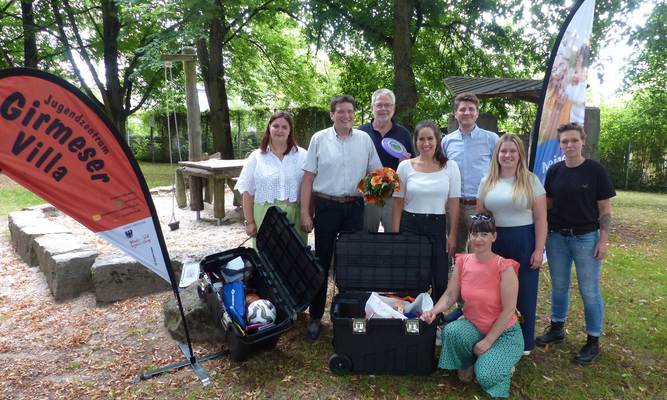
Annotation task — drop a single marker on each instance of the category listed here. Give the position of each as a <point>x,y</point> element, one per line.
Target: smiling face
<point>279,129</point>
<point>426,142</point>
<point>572,144</point>
<point>508,156</point>
<point>466,115</point>
<point>343,117</point>
<point>481,242</point>
<point>383,108</point>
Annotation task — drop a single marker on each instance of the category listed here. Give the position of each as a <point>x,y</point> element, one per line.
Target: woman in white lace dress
<point>272,175</point>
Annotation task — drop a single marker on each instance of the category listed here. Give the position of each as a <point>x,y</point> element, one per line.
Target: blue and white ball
<point>261,312</point>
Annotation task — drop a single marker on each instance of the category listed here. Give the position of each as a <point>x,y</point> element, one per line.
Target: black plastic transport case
<point>285,273</point>
<point>380,262</point>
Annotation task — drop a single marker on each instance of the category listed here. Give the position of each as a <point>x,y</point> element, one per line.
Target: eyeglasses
<point>480,217</point>
<point>383,105</point>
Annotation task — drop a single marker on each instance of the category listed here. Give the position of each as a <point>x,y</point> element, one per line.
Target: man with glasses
<point>383,102</point>
<point>338,157</point>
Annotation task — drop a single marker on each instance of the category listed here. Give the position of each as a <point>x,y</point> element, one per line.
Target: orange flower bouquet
<point>379,185</point>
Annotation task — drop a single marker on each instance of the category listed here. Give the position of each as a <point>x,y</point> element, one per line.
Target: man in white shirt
<point>338,158</point>
<point>471,147</point>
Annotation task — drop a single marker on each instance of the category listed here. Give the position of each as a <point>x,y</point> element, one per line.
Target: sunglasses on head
<point>480,217</point>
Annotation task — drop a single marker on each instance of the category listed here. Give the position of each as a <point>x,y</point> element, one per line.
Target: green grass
<point>633,363</point>
<point>157,174</point>
<point>15,197</point>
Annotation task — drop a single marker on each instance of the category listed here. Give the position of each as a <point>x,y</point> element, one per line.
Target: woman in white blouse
<point>429,184</point>
<point>272,175</point>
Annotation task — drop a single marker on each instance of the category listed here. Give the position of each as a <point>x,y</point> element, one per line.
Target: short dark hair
<point>439,155</point>
<point>572,126</point>
<point>346,98</point>
<point>482,223</point>
<point>465,96</point>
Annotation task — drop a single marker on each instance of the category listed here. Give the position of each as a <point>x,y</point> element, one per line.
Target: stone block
<point>71,273</point>
<point>201,326</point>
<point>47,246</point>
<point>20,219</point>
<point>119,277</point>
<point>25,232</point>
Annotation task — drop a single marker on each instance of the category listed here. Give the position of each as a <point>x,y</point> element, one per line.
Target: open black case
<point>380,262</point>
<point>285,272</point>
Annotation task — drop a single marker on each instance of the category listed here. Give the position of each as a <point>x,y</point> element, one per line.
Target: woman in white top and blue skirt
<point>517,200</point>
<point>429,184</point>
<point>272,175</point>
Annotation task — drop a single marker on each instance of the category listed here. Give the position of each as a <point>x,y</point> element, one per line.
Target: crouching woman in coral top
<point>488,341</point>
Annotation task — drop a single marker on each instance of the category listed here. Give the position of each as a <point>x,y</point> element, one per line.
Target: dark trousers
<point>518,243</point>
<point>433,226</point>
<point>332,218</point>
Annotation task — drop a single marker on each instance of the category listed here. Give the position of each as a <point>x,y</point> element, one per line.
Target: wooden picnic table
<point>216,173</point>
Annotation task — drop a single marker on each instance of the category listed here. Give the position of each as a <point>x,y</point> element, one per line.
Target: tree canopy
<point>290,53</point>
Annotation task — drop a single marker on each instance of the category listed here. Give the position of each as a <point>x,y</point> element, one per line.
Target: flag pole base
<point>190,361</point>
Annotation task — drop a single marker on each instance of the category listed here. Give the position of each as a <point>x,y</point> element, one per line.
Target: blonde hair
<point>522,185</point>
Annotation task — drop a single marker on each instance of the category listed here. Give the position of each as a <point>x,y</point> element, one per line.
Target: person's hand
<point>600,250</point>
<point>451,244</point>
<point>481,347</point>
<point>427,316</point>
<point>306,222</point>
<point>536,259</point>
<point>250,228</point>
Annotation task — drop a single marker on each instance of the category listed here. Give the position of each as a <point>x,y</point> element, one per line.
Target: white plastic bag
<point>422,303</point>
<point>381,307</point>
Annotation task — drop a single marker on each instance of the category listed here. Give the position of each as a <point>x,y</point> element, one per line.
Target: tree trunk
<point>29,34</point>
<point>213,70</point>
<point>115,93</point>
<point>405,86</point>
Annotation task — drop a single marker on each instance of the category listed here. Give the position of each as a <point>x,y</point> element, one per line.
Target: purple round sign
<point>395,148</point>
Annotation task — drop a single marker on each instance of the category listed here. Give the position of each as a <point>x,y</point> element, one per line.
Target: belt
<point>468,202</point>
<point>573,231</point>
<point>339,199</point>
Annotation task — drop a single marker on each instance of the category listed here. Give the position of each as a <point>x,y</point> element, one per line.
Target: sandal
<point>466,375</point>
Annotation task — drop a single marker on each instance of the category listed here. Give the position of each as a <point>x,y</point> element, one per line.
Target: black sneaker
<point>553,335</point>
<point>589,352</point>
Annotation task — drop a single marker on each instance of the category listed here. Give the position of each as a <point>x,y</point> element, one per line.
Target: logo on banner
<point>128,234</point>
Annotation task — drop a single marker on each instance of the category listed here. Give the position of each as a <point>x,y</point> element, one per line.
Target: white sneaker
<point>438,336</point>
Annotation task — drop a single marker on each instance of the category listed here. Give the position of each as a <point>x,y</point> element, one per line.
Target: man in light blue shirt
<point>471,147</point>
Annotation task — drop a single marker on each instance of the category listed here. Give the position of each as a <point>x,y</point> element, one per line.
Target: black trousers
<point>332,218</point>
<point>433,226</point>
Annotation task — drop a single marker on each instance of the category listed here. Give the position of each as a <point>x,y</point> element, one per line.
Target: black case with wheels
<point>380,262</point>
<point>285,273</point>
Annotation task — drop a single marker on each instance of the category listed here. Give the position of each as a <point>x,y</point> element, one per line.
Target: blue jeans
<point>561,251</point>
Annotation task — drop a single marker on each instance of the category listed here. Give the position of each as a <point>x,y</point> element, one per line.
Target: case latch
<point>412,327</point>
<point>359,326</point>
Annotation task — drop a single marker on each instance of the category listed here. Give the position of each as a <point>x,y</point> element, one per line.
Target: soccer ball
<point>261,312</point>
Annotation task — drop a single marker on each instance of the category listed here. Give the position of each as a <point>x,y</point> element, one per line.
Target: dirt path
<point>77,349</point>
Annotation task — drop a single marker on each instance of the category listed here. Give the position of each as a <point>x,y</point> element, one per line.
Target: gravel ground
<point>77,349</point>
